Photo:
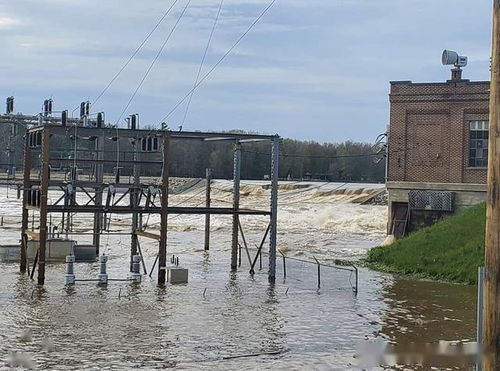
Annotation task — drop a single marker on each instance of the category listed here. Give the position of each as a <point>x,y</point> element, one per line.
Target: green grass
<point>450,250</point>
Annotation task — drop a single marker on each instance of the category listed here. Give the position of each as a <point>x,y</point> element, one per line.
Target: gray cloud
<point>312,69</point>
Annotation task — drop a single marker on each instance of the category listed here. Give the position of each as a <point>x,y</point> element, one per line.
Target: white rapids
<point>324,220</point>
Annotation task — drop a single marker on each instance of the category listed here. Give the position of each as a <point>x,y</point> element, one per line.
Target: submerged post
<point>44,188</point>
<point>103,270</point>
<point>134,203</point>
<point>162,250</point>
<point>69,277</point>
<point>99,175</point>
<point>236,204</point>
<point>356,273</point>
<point>275,153</point>
<point>492,245</point>
<point>319,272</point>
<point>207,205</point>
<point>284,263</point>
<point>25,215</point>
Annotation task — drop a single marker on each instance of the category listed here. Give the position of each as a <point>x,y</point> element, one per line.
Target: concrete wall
<point>466,195</point>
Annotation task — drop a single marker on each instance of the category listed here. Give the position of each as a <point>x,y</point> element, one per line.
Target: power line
<point>203,60</point>
<point>220,60</point>
<point>153,62</point>
<point>160,21</point>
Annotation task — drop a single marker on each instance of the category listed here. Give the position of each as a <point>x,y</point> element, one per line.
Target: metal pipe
<point>356,272</point>
<point>319,272</point>
<point>284,263</point>
<point>208,200</point>
<point>153,267</point>
<point>259,252</point>
<point>244,242</point>
<point>34,265</point>
<point>275,154</point>
<point>142,257</point>
<point>239,255</point>
<point>236,203</point>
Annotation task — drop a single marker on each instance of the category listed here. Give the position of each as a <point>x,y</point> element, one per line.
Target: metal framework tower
<point>105,196</point>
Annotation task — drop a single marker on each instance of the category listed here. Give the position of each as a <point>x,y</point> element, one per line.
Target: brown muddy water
<point>223,320</point>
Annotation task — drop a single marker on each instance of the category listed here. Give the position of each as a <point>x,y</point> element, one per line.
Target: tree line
<point>300,160</point>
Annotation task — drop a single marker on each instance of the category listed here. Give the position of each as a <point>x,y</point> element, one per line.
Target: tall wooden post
<point>162,251</point>
<point>44,190</point>
<point>207,205</point>
<point>492,253</point>
<point>25,216</point>
<point>236,204</point>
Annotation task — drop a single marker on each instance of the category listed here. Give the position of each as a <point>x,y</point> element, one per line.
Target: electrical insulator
<point>82,110</point>
<point>47,107</point>
<point>134,121</point>
<point>10,105</point>
<point>100,119</point>
<point>64,118</point>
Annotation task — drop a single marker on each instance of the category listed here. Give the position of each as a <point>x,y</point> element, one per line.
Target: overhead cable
<point>160,21</point>
<point>220,60</point>
<point>153,62</point>
<point>202,61</point>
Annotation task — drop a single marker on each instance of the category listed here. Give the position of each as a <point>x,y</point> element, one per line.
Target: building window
<point>478,143</point>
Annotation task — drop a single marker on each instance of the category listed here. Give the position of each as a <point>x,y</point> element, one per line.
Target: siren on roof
<point>450,57</point>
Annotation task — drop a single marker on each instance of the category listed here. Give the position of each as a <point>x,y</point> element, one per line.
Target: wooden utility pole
<point>162,252</point>
<point>492,253</point>
<point>26,190</point>
<point>44,191</point>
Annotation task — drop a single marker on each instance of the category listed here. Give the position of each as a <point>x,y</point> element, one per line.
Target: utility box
<point>85,253</point>
<point>10,253</point>
<point>177,275</point>
<point>56,249</point>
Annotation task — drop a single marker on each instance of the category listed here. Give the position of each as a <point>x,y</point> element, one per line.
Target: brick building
<point>437,152</point>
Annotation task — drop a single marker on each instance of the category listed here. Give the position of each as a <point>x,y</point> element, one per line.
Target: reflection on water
<point>223,320</point>
<point>421,312</point>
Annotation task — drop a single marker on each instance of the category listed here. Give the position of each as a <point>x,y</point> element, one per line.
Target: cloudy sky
<point>310,69</point>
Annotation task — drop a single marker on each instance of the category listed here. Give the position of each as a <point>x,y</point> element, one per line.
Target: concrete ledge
<point>451,187</point>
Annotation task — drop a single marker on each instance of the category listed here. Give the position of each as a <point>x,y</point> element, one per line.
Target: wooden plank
<point>33,235</point>
<point>153,236</point>
<point>155,210</point>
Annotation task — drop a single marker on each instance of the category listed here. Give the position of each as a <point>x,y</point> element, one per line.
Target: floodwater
<point>223,320</point>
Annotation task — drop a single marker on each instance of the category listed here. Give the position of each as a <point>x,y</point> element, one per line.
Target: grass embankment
<point>450,250</point>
